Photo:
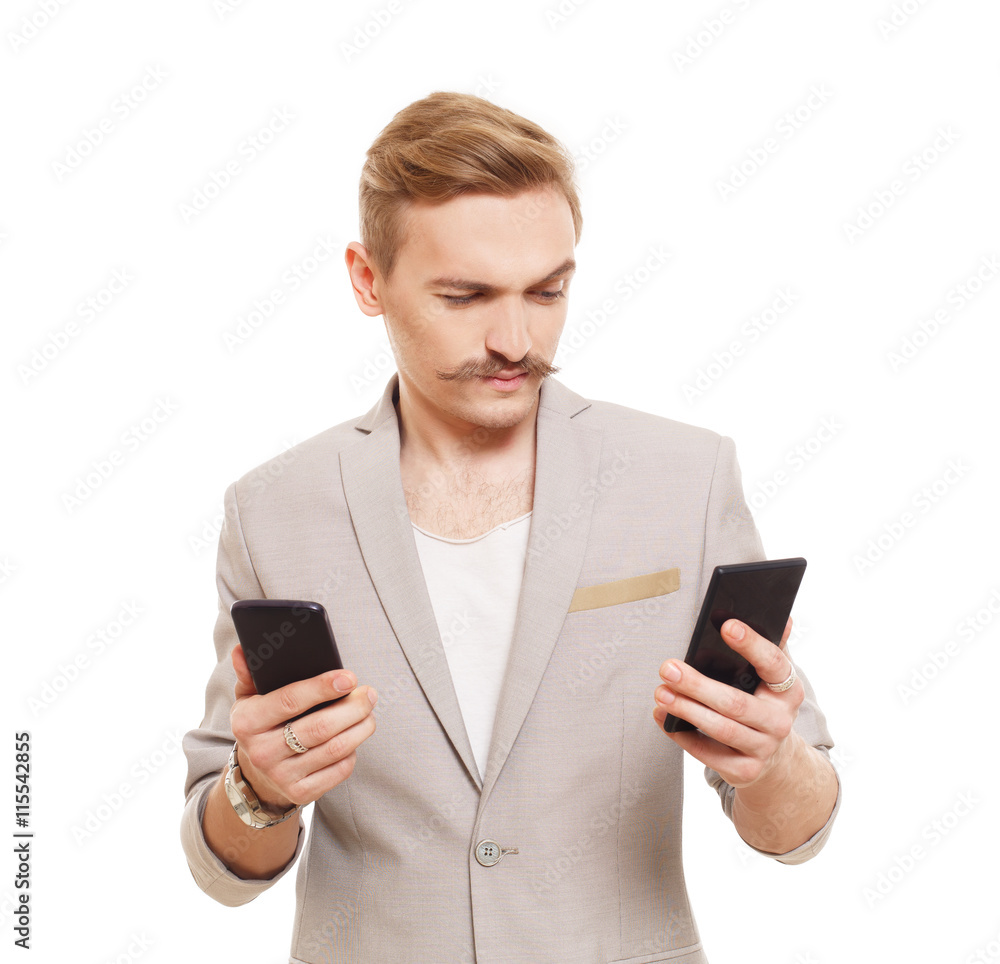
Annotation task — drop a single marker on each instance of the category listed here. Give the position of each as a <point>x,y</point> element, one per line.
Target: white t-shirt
<point>474,585</point>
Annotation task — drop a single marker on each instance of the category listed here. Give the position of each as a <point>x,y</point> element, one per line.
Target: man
<point>509,565</point>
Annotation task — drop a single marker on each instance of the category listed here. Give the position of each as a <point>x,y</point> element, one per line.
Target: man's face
<point>479,289</point>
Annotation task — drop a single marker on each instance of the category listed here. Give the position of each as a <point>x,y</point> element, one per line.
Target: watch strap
<point>245,802</point>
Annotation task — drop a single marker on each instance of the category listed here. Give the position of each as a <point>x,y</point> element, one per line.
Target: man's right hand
<point>278,775</point>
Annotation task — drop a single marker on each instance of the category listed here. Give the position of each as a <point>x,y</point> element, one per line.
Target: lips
<point>506,383</point>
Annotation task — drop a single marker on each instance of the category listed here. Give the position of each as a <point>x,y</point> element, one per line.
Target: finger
<point>682,681</point>
<point>244,681</point>
<point>314,785</point>
<point>725,714</point>
<point>270,763</point>
<point>737,769</point>
<point>323,726</point>
<point>309,775</point>
<point>770,662</point>
<point>286,702</point>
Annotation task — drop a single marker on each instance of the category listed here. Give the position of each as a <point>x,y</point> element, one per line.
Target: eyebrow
<point>463,285</point>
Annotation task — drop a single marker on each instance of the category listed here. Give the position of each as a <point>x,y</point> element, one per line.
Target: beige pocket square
<point>626,590</point>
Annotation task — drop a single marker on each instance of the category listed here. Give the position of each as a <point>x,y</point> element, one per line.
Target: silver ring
<point>787,685</point>
<point>293,741</point>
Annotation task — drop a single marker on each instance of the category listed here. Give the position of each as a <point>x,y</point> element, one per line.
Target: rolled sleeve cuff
<point>209,872</point>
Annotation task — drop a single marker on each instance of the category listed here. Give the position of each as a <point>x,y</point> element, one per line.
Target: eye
<point>547,297</point>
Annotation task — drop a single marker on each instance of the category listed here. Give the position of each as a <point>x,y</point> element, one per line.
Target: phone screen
<point>284,641</point>
<point>759,594</point>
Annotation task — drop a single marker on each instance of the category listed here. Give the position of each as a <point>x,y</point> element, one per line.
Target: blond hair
<point>450,144</point>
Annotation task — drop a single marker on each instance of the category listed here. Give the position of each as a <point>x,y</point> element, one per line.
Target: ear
<point>365,279</point>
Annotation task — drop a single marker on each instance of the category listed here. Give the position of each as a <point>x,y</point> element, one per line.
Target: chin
<point>500,414</point>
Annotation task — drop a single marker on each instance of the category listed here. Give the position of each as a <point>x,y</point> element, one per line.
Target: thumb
<point>244,681</point>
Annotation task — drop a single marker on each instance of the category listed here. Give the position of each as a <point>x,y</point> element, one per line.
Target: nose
<point>508,334</point>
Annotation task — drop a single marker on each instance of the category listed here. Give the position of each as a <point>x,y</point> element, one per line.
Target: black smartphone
<point>284,641</point>
<point>759,594</point>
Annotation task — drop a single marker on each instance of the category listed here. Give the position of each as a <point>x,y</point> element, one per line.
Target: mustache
<point>531,364</point>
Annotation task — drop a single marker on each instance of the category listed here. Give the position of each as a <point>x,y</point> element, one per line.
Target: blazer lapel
<point>567,455</point>
<point>373,487</point>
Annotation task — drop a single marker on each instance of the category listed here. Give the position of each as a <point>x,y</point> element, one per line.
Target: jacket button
<point>489,852</point>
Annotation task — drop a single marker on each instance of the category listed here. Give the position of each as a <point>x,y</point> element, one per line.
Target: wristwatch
<point>245,801</point>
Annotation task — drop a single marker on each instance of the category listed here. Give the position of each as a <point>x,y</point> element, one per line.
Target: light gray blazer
<point>580,780</point>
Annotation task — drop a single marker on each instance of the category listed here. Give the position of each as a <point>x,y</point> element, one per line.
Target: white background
<point>657,140</point>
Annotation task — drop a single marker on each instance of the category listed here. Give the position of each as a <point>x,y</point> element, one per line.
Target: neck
<point>432,441</point>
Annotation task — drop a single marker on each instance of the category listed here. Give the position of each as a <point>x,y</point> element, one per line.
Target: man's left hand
<point>744,736</point>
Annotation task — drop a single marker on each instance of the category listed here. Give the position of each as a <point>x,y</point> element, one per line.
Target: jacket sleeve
<point>207,748</point>
<point>732,537</point>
